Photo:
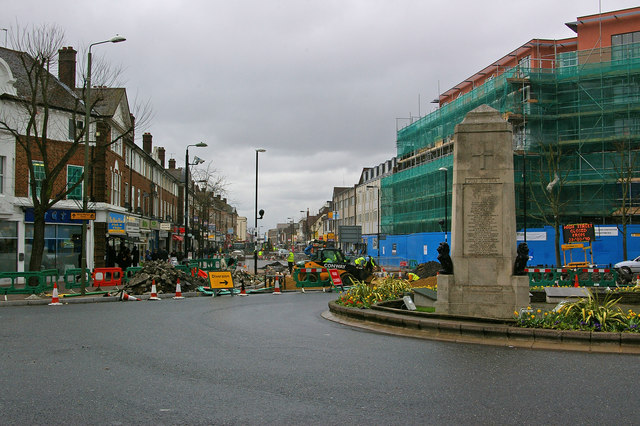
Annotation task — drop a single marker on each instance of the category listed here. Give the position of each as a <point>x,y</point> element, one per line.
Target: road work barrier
<point>210,264</point>
<point>107,277</point>
<point>73,278</point>
<point>560,277</point>
<point>27,282</point>
<point>130,272</point>
<point>313,277</point>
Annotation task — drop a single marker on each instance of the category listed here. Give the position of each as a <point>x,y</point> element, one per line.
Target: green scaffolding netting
<point>586,110</point>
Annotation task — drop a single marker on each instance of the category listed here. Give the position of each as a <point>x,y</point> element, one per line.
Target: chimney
<point>67,67</point>
<point>161,156</point>
<point>172,163</point>
<point>146,142</point>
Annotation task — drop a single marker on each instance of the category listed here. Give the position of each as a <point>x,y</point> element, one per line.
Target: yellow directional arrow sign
<point>222,279</point>
<point>83,215</point>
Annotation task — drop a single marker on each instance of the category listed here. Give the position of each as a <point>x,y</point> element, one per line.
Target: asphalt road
<point>267,359</point>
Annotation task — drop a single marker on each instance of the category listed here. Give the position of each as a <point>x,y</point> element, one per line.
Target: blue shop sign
<point>52,216</point>
<point>116,223</point>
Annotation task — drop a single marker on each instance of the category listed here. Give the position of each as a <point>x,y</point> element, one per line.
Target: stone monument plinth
<point>483,223</point>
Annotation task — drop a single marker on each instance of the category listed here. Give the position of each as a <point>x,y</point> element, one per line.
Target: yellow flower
<point>515,312</point>
<point>539,310</point>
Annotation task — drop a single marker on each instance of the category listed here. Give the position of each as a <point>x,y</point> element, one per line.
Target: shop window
<point>62,245</point>
<point>8,246</point>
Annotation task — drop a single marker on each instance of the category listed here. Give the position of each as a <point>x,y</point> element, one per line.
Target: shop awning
<point>176,237</point>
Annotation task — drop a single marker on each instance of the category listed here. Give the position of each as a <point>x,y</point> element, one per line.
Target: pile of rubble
<point>429,269</point>
<point>165,276</point>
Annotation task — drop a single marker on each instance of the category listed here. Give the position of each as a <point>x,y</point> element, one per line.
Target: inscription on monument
<point>482,219</point>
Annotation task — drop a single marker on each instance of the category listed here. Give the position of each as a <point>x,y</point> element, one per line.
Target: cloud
<point>318,83</point>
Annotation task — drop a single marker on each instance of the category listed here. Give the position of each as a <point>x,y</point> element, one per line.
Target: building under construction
<point>574,105</point>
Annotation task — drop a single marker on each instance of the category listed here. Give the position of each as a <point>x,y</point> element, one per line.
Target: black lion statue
<point>445,259</point>
<point>521,259</point>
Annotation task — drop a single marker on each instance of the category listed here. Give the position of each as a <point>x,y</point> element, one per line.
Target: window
<point>3,165</point>
<point>126,192</point>
<point>625,46</point>
<point>115,188</point>
<point>38,176</point>
<point>73,175</point>
<point>75,128</point>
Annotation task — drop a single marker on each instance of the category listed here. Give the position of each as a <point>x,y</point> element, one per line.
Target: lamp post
<point>255,251</point>
<point>378,216</point>
<point>445,170</point>
<point>186,196</point>
<point>305,231</point>
<point>290,219</point>
<point>85,184</point>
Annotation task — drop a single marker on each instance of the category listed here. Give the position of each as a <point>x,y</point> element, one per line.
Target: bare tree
<point>210,184</point>
<point>547,194</point>
<point>40,103</point>
<point>624,166</point>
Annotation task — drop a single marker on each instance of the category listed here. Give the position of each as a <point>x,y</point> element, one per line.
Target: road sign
<point>335,277</point>
<point>221,279</point>
<point>83,215</point>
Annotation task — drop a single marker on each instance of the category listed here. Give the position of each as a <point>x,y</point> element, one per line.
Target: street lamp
<point>378,216</point>
<point>255,251</point>
<point>85,184</point>
<point>186,194</point>
<point>445,170</point>
<point>305,231</point>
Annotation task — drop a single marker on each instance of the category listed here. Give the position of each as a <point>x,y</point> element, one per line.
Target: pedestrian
<point>111,256</point>
<point>135,256</point>
<point>290,261</point>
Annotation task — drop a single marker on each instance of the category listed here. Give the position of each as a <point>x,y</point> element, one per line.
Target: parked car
<point>629,267</point>
<point>238,254</point>
<point>283,252</point>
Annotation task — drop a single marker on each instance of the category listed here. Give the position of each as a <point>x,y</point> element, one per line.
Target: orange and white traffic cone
<point>576,282</point>
<point>638,281</point>
<point>55,301</point>
<point>243,292</point>
<point>178,291</point>
<point>126,297</point>
<point>154,293</point>
<point>277,289</point>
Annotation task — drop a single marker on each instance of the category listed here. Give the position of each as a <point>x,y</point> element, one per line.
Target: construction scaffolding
<point>576,125</point>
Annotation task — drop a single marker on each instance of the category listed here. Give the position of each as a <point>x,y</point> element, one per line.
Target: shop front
<point>62,239</point>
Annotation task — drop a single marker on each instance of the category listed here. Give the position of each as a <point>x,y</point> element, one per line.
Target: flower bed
<point>595,313</point>
<point>363,295</point>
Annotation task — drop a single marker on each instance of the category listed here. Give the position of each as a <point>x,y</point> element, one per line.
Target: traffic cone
<point>178,291</point>
<point>55,301</point>
<point>638,281</point>
<point>125,297</point>
<point>277,289</point>
<point>576,283</point>
<point>154,293</point>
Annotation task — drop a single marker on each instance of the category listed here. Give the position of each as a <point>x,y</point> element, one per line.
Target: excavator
<point>332,258</point>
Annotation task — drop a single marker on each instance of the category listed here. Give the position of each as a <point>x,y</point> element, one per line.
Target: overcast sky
<point>319,84</point>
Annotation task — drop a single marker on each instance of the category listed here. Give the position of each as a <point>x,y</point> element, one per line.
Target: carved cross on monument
<point>484,156</point>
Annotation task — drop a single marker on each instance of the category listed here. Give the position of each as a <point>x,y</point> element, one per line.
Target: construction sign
<point>221,279</point>
<point>335,277</point>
